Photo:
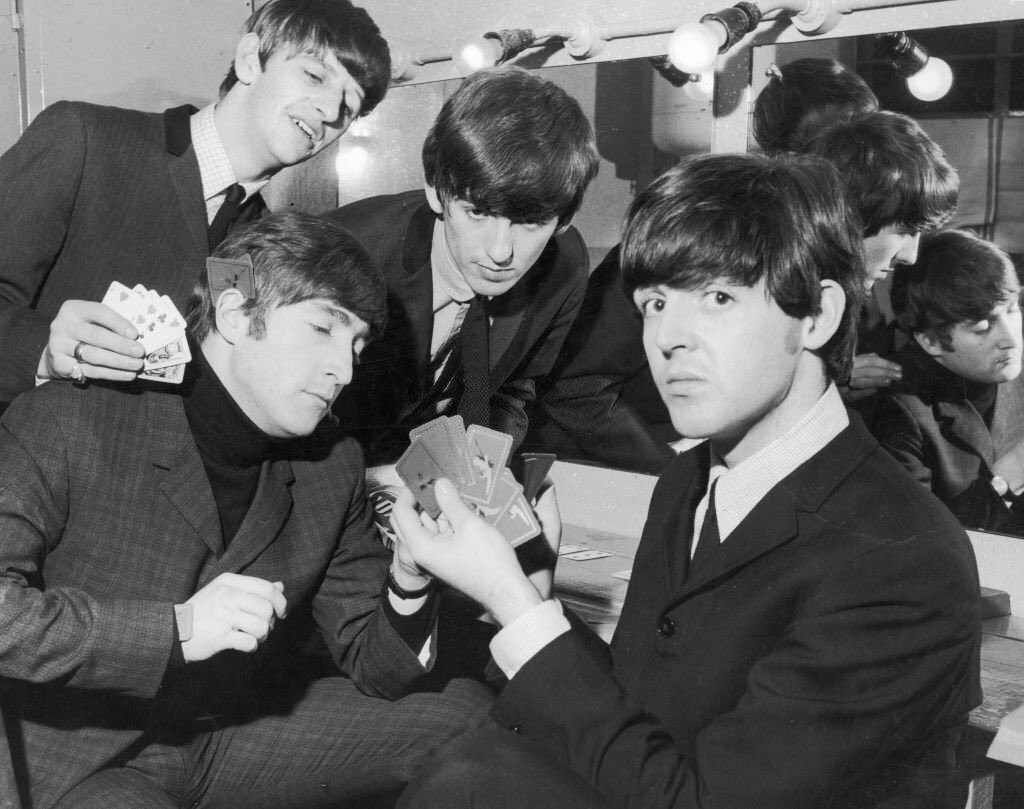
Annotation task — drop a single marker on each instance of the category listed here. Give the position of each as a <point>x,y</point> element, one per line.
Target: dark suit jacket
<point>600,402</point>
<point>529,324</point>
<point>826,655</point>
<point>92,195</point>
<point>108,519</point>
<point>928,424</point>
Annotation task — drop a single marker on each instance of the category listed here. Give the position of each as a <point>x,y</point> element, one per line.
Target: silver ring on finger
<point>77,353</point>
<point>78,377</point>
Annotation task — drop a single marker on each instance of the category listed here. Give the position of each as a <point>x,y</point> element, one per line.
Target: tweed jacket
<point>92,195</point>
<point>108,520</point>
<point>825,655</point>
<point>528,324</point>
<point>928,424</point>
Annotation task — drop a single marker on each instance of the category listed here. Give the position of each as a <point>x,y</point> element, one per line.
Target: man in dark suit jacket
<point>96,194</point>
<point>484,273</point>
<point>956,420</point>
<point>167,552</point>
<point>802,622</point>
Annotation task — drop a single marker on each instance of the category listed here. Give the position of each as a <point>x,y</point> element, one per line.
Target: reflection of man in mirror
<point>484,272</point>
<point>780,644</point>
<point>900,185</point>
<point>956,420</point>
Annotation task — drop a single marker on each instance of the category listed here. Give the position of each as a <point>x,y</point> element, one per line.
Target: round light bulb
<point>693,47</point>
<point>476,54</point>
<point>932,81</point>
<point>352,160</point>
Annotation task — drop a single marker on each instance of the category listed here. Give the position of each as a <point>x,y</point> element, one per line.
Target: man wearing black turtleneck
<point>167,552</point>
<point>956,420</point>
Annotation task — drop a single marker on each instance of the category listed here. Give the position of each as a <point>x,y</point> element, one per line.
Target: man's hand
<point>233,612</point>
<point>871,372</point>
<point>468,554</point>
<point>106,343</point>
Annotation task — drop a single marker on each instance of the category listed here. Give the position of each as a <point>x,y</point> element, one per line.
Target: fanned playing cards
<point>474,460</point>
<point>161,329</point>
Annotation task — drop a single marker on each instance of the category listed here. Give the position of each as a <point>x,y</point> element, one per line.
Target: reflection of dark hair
<point>745,218</point>
<point>806,94</point>
<point>321,27</point>
<point>895,175</point>
<point>296,257</point>
<point>957,278</point>
<point>512,144</point>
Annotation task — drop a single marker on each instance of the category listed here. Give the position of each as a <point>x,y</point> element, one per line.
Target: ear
<point>819,328</point>
<point>247,58</point>
<point>232,322</point>
<point>433,200</point>
<point>929,342</point>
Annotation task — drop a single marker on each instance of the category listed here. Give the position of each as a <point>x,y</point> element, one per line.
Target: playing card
<point>623,574</point>
<point>517,522</point>
<point>535,472</point>
<point>488,452</point>
<point>583,556</point>
<point>460,445</point>
<point>565,548</point>
<point>122,300</point>
<point>436,436</point>
<point>420,472</point>
<point>505,491</point>
<point>174,353</point>
<point>170,373</point>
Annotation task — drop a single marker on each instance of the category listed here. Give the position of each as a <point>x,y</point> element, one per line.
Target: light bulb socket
<point>668,71</point>
<point>513,41</point>
<point>738,21</point>
<point>905,53</point>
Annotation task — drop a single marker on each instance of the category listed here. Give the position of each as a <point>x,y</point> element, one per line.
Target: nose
<point>500,249</point>
<point>908,249</point>
<point>672,329</point>
<point>341,364</point>
<point>1009,331</point>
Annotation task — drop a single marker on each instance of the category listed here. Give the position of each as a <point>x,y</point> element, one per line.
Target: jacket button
<point>517,729</point>
<point>666,627</point>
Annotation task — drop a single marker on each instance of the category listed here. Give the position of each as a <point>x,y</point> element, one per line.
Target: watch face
<point>1000,485</point>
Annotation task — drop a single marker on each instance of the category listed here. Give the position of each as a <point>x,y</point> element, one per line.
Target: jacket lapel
<point>774,521</point>
<point>267,514</point>
<point>180,473</point>
<point>960,421</point>
<point>184,173</point>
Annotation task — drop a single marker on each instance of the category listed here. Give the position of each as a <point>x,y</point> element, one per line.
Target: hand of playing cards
<point>474,460</point>
<point>160,326</point>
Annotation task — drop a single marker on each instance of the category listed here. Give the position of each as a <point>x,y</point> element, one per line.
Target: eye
<point>981,327</point>
<point>649,305</point>
<point>719,298</point>
<point>320,328</point>
<point>314,78</point>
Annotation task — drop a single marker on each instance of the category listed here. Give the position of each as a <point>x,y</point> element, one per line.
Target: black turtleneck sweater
<point>231,446</point>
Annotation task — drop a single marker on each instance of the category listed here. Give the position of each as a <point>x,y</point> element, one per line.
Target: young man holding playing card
<point>781,644</point>
<point>97,194</point>
<point>167,553</point>
<point>484,272</point>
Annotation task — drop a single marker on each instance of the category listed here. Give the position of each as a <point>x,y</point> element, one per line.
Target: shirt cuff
<point>518,642</point>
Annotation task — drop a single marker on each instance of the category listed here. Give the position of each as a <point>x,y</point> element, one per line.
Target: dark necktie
<point>475,403</point>
<point>226,215</point>
<point>709,539</point>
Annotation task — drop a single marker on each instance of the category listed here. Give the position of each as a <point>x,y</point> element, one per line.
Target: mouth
<point>306,130</point>
<point>682,384</point>
<point>326,399</point>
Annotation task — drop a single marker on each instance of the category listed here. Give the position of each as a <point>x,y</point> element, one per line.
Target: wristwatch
<point>183,617</point>
<point>1000,485</point>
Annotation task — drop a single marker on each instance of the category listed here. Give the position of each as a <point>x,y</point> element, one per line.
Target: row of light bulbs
<point>693,47</point>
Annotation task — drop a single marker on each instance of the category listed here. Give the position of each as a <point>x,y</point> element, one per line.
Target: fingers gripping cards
<point>475,461</point>
<point>161,329</point>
